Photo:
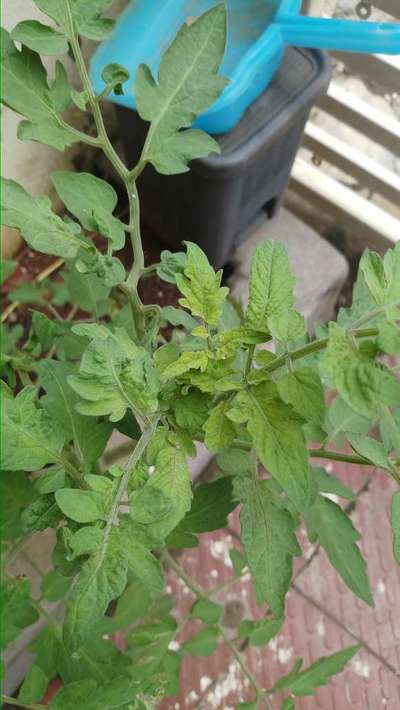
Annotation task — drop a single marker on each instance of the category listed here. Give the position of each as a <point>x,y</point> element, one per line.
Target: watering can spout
<point>341,35</point>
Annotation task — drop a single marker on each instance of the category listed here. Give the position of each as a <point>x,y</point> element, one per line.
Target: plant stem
<point>128,177</point>
<point>202,594</point>
<point>133,459</point>
<point>180,572</point>
<point>337,456</point>
<point>243,665</point>
<point>313,347</point>
<point>18,703</point>
<point>249,362</point>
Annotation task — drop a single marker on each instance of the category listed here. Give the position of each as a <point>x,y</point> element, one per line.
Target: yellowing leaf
<point>201,286</point>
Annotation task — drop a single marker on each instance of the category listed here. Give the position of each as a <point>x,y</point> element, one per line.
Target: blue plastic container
<point>258,33</point>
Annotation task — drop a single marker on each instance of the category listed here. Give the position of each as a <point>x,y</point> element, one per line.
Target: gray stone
<point>319,268</point>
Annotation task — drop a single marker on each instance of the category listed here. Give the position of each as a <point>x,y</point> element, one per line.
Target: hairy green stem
<point>203,594</point>
<point>133,459</point>
<point>249,362</point>
<point>128,178</point>
<point>260,693</point>
<point>336,456</point>
<point>312,348</point>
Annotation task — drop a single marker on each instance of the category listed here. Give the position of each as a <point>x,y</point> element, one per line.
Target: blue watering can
<point>258,33</point>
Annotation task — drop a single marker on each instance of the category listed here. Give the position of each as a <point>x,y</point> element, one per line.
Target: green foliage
<point>26,90</point>
<point>68,384</point>
<point>271,286</point>
<point>268,536</point>
<point>39,225</point>
<point>201,286</point>
<point>115,374</point>
<point>305,682</point>
<point>30,438</point>
<point>179,96</point>
<point>396,525</point>
<point>41,38</point>
<point>92,201</point>
<point>328,523</point>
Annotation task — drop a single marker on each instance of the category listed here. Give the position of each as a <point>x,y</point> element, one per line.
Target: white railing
<point>314,182</point>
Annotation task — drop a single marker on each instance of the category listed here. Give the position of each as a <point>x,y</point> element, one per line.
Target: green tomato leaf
<point>34,687</point>
<point>87,17</point>
<point>363,384</point>
<point>271,286</point>
<point>30,439</point>
<point>188,84</point>
<point>54,586</point>
<point>115,375</point>
<point>329,484</point>
<point>7,268</point>
<point>372,450</point>
<point>220,431</point>
<point>211,505</point>
<point>202,644</point>
<point>81,506</point>
<point>187,361</point>
<point>277,432</point>
<point>303,390</point>
<point>40,38</point>
<point>389,338</point>
<point>305,683</point>
<point>396,525</point>
<point>207,611</point>
<point>268,537</point>
<point>16,609</point>
<point>103,578</point>
<point>50,481</point>
<point>171,264</point>
<point>43,513</point>
<point>87,291</point>
<point>382,276</point>
<point>92,201</point>
<point>179,317</point>
<point>41,228</point>
<point>170,486</point>
<point>85,541</point>
<point>201,286</point>
<point>259,633</point>
<point>90,437</point>
<point>328,523</point>
<point>341,418</point>
<point>191,411</point>
<point>117,694</point>
<point>26,91</point>
<point>287,326</point>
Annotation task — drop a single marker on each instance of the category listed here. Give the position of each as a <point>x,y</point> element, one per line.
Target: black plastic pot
<point>220,200</point>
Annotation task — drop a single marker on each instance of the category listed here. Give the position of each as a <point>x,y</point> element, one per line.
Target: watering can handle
<point>341,35</point>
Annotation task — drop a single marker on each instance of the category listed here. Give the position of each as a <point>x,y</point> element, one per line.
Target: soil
<point>32,263</point>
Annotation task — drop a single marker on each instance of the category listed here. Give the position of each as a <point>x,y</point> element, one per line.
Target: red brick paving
<point>322,617</point>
